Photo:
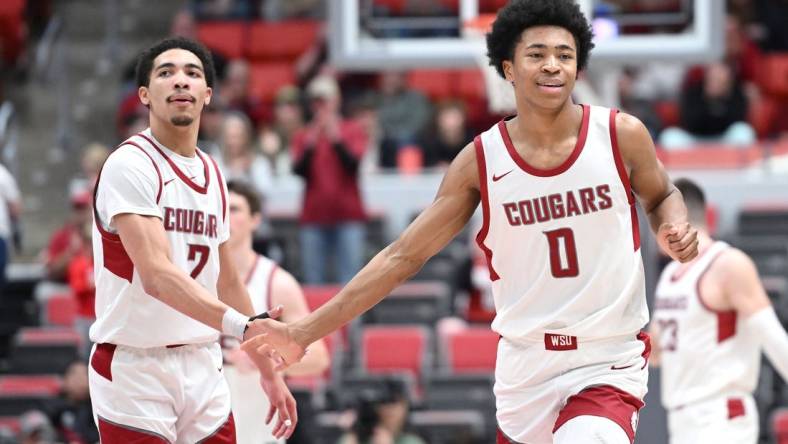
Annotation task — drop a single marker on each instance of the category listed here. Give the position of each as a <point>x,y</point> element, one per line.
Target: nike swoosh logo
<point>613,367</point>
<point>167,182</point>
<point>497,178</point>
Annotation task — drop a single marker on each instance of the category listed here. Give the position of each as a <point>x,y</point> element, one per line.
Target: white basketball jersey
<point>562,245</point>
<point>703,352</point>
<point>189,196</point>
<point>258,283</point>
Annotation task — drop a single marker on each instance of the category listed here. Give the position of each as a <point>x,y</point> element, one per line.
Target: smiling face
<point>177,91</point>
<point>543,66</point>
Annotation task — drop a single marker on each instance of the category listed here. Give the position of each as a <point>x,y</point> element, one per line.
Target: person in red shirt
<point>83,287</point>
<point>65,242</point>
<point>327,153</point>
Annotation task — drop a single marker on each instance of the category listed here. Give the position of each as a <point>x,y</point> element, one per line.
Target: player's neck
<point>243,258</point>
<point>704,240</point>
<point>544,127</point>
<point>181,140</point>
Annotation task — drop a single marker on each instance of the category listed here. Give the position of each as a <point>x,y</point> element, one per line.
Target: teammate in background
<point>165,283</point>
<point>557,184</point>
<point>268,286</point>
<point>711,320</point>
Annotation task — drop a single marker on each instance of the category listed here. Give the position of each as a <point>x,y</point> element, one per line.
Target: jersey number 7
<point>203,251</point>
<point>562,265</point>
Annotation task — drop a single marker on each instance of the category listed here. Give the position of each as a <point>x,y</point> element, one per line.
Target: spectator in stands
<point>35,428</point>
<point>714,110</point>
<point>449,134</point>
<point>326,153</point>
<point>93,157</point>
<point>234,93</point>
<point>239,158</point>
<point>10,210</point>
<point>381,417</point>
<point>83,287</point>
<point>403,114</point>
<point>224,9</point>
<point>184,25</point>
<point>66,241</point>
<point>71,413</point>
<point>275,138</point>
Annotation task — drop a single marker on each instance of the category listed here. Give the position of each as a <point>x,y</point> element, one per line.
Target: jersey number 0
<point>563,261</point>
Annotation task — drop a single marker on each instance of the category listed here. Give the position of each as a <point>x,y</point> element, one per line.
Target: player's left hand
<point>283,405</point>
<point>285,350</point>
<point>678,240</point>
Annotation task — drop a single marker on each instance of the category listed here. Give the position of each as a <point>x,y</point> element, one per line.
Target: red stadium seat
<point>773,74</point>
<point>317,295</point>
<point>491,6</point>
<point>225,37</point>
<point>281,40</point>
<point>46,336</point>
<point>24,384</point>
<point>668,112</point>
<point>61,309</point>
<point>395,7</point>
<point>471,85</point>
<point>391,349</point>
<point>267,78</point>
<point>10,423</point>
<point>780,425</point>
<point>472,350</point>
<point>436,84</point>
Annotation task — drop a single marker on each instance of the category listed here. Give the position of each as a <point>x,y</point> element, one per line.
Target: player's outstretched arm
<point>456,200</point>
<point>744,290</point>
<point>146,243</point>
<point>663,203</point>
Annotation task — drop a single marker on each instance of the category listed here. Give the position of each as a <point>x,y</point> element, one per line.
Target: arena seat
<point>470,85</point>
<point>281,41</point>
<point>472,350</point>
<point>21,393</point>
<point>764,219</point>
<point>434,83</point>
<point>773,74</point>
<point>394,7</point>
<point>412,303</point>
<point>780,425</point>
<point>226,37</point>
<point>61,309</point>
<point>44,350</point>
<point>266,78</point>
<point>389,349</point>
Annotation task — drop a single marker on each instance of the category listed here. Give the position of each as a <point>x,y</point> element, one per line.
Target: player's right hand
<point>278,336</point>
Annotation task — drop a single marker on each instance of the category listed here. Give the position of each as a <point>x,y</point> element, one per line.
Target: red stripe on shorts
<point>605,401</point>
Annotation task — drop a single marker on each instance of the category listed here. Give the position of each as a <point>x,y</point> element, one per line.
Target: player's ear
<point>208,95</point>
<point>508,70</point>
<point>142,93</point>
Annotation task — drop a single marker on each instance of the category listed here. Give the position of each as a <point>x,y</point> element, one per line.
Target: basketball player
<point>557,184</point>
<point>268,286</point>
<point>711,320</point>
<point>165,283</point>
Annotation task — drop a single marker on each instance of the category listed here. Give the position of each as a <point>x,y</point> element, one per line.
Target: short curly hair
<point>144,66</point>
<point>519,15</point>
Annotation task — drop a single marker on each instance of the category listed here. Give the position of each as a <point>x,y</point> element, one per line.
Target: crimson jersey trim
<point>622,174</point>
<point>270,286</point>
<point>532,170</point>
<point>482,235</point>
<point>220,179</point>
<point>200,189</point>
<point>726,320</point>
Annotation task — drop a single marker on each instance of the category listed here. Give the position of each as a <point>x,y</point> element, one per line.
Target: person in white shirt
<point>712,320</point>
<point>10,209</point>
<point>165,283</point>
<point>269,286</point>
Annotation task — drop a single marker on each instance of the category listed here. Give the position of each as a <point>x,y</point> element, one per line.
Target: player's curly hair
<point>519,15</point>
<point>145,60</point>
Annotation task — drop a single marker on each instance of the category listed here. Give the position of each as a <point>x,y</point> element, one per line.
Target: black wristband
<point>254,318</point>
